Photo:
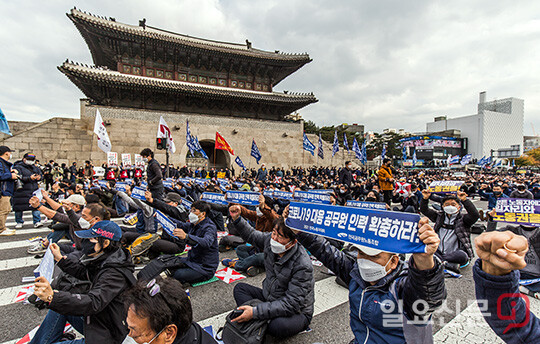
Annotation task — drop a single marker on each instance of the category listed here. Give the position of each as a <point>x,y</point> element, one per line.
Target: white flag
<point>103,138</point>
<point>164,131</point>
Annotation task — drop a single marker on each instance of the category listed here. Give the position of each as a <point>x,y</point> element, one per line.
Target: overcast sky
<point>384,64</point>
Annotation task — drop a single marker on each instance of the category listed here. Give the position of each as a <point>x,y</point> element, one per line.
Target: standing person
<point>386,180</point>
<point>88,170</point>
<point>73,172</point>
<point>7,186</point>
<point>262,173</point>
<point>30,175</point>
<point>48,174</point>
<point>154,176</point>
<point>345,174</point>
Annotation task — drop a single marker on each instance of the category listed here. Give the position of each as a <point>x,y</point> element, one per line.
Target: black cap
<point>30,156</point>
<point>172,197</point>
<point>4,149</point>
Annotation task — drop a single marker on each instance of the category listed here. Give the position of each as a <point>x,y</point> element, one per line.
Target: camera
<point>18,183</point>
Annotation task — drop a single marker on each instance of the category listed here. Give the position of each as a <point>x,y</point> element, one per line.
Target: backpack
<point>249,332</point>
<point>159,265</point>
<point>478,228</point>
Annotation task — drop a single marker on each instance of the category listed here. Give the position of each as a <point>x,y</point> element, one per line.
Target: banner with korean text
<point>518,210</point>
<point>243,197</point>
<point>445,186</point>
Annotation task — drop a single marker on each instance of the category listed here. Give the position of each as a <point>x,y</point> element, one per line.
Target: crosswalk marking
<point>7,295</point>
<point>14,244</point>
<point>17,263</point>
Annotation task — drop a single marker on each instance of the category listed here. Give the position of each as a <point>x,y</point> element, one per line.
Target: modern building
<point>496,127</point>
<point>530,143</point>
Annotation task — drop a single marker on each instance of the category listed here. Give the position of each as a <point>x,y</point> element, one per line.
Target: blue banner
<point>187,204</point>
<point>121,187</point>
<point>144,185</point>
<point>268,193</point>
<point>356,150</point>
<point>103,184</point>
<point>138,193</point>
<point>283,195</point>
<point>324,191</point>
<point>184,181</point>
<point>168,184</point>
<point>366,205</point>
<point>255,151</point>
<point>165,222</point>
<point>243,197</point>
<point>388,231</point>
<point>129,181</point>
<point>239,184</point>
<point>312,197</point>
<point>215,198</point>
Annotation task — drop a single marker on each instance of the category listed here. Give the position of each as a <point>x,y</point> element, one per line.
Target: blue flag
<point>320,150</point>
<point>345,143</point>
<point>388,231</point>
<point>356,150</point>
<point>335,146</point>
<point>414,160</point>
<point>364,152</point>
<point>255,152</point>
<point>383,154</point>
<point>4,126</point>
<point>466,159</point>
<point>199,148</point>
<point>404,151</point>
<point>310,147</point>
<point>239,162</point>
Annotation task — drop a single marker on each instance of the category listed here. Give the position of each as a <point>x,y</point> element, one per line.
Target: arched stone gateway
<point>222,158</point>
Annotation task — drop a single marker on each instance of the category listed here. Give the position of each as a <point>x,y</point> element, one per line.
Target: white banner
<point>104,143</point>
<point>112,159</point>
<point>126,160</point>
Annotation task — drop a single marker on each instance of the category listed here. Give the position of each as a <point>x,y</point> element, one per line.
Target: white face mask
<point>371,271</point>
<point>450,209</point>
<point>193,218</point>
<point>277,247</point>
<point>30,162</point>
<point>84,224</point>
<point>259,212</point>
<point>145,159</point>
<point>131,340</point>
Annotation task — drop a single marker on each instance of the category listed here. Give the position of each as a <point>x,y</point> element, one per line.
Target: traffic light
<point>161,143</point>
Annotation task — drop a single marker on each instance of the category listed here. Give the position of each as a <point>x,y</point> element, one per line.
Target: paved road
<point>212,301</point>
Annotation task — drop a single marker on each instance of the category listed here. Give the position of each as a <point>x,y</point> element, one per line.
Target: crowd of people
<point>152,308</point>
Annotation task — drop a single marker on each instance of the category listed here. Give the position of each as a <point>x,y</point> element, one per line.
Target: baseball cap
<point>4,149</point>
<point>172,197</point>
<point>102,229</point>
<point>30,156</point>
<point>76,199</point>
<point>367,250</point>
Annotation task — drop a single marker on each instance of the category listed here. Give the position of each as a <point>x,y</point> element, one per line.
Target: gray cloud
<point>380,63</point>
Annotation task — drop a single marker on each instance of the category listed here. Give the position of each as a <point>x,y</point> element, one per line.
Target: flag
<point>364,152</point>
<point>481,161</point>
<point>383,154</point>
<point>414,160</point>
<point>255,151</point>
<point>320,151</point>
<point>345,143</point>
<point>513,162</point>
<point>310,147</point>
<point>239,162</point>
<point>453,160</point>
<point>466,159</point>
<point>356,150</point>
<point>222,144</point>
<point>4,126</point>
<point>189,140</point>
<point>104,143</point>
<point>335,146</point>
<point>404,151</point>
<point>199,149</point>
<point>165,132</point>
<point>498,163</point>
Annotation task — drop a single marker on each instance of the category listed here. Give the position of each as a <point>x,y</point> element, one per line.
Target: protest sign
<point>168,184</point>
<point>103,184</point>
<point>312,197</point>
<point>186,203</point>
<point>366,205</point>
<point>38,194</point>
<point>518,210</point>
<point>138,193</point>
<point>112,159</point>
<point>215,198</point>
<point>268,193</point>
<point>165,222</point>
<point>121,186</point>
<point>46,267</point>
<point>445,186</point>
<point>384,230</point>
<point>139,162</point>
<point>126,159</point>
<point>243,197</point>
<point>283,195</point>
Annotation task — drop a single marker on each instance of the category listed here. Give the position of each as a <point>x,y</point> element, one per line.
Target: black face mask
<point>371,199</point>
<point>497,193</point>
<point>87,247</point>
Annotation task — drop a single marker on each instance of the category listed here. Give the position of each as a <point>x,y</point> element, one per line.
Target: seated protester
<point>492,198</point>
<point>378,277</point>
<point>98,314</point>
<point>160,312</point>
<point>469,188</point>
<point>343,195</point>
<point>93,198</point>
<point>201,234</point>
<point>521,192</point>
<point>251,258</point>
<point>374,196</point>
<point>409,203</point>
<point>496,274</point>
<point>453,228</point>
<point>145,227</point>
<point>70,213</point>
<point>287,294</point>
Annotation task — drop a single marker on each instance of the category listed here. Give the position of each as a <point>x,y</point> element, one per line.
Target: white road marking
<point>17,263</point>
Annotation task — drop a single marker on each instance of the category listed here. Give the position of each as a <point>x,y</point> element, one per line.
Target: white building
<point>498,125</point>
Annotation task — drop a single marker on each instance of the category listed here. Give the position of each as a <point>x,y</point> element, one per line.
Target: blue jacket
<point>369,323</point>
<point>491,288</point>
<point>492,199</point>
<point>7,184</point>
<point>202,237</point>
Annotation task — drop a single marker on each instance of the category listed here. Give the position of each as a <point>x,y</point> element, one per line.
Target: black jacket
<point>345,176</point>
<point>23,195</point>
<point>195,335</point>
<point>102,306</point>
<point>153,174</point>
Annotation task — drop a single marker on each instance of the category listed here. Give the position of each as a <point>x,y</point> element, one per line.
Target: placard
<point>518,211</point>
<point>112,159</point>
<point>445,186</point>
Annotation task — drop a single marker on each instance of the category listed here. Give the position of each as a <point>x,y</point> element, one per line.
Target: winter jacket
<point>102,306</point>
<point>7,185</point>
<point>204,254</point>
<point>23,195</point>
<point>384,175</point>
<point>492,199</point>
<point>289,285</point>
<point>263,223</point>
<point>462,223</point>
<point>345,177</point>
<point>492,288</point>
<point>195,335</point>
<point>153,174</point>
<point>405,283</point>
<point>70,218</point>
<point>526,194</point>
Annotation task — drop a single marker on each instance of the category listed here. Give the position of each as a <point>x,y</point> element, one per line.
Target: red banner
<point>222,144</point>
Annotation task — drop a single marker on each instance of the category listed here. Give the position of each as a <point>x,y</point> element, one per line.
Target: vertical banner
<point>126,160</point>
<point>139,161</point>
<point>112,159</point>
